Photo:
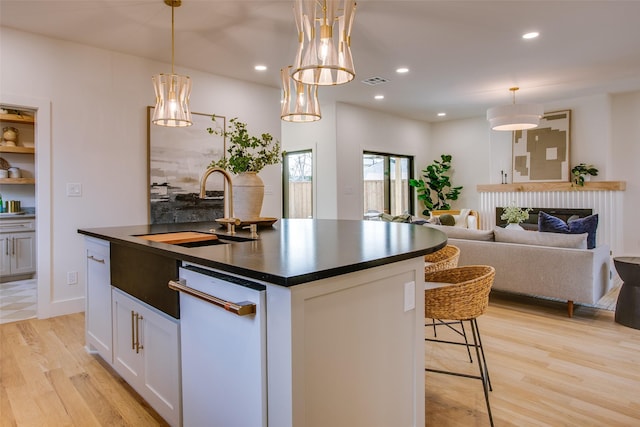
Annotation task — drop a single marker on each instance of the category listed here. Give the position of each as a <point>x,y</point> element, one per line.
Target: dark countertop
<point>292,251</point>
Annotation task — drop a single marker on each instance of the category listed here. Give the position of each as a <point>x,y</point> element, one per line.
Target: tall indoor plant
<point>246,156</point>
<point>435,190</point>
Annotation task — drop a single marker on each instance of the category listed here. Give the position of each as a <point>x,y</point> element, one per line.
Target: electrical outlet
<point>72,277</point>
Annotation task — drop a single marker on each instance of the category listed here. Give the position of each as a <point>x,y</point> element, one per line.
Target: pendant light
<point>299,101</point>
<point>515,116</point>
<point>324,37</point>
<point>172,90</point>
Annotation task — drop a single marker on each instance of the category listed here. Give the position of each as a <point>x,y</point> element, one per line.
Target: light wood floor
<point>546,370</point>
<point>48,379</point>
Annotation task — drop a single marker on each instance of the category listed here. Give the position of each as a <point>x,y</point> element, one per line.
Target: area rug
<point>608,301</point>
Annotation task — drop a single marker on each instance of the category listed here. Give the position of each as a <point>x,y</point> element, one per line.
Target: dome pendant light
<point>515,116</point>
<point>172,90</point>
<point>324,37</point>
<point>299,101</point>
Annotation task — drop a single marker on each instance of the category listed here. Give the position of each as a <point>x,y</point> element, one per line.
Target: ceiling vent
<point>373,81</point>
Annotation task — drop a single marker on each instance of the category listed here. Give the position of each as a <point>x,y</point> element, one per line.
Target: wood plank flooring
<point>48,379</point>
<point>546,370</point>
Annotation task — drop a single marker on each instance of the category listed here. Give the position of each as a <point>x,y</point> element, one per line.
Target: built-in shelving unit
<point>17,119</point>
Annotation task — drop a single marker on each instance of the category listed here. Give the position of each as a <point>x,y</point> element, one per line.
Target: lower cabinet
<point>146,353</point>
<point>18,253</point>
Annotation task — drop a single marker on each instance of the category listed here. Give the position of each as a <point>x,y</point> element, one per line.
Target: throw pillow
<point>461,219</point>
<point>589,224</point>
<point>398,218</point>
<point>447,219</point>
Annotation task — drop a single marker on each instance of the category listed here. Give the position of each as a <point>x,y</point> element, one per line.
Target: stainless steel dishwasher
<point>223,343</point>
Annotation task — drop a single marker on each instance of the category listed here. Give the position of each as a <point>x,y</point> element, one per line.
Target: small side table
<point>628,305</point>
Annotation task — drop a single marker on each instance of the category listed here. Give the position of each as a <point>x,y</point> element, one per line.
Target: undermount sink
<point>192,239</point>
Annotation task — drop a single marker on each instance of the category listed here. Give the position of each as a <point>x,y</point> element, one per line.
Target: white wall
<point>625,149</point>
<point>359,130</point>
<point>320,137</point>
<point>469,144</point>
<point>605,131</point>
<point>98,103</point>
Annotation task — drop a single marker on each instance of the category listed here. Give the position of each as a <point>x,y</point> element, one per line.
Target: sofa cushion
<point>461,219</point>
<point>552,224</point>
<point>539,238</point>
<point>464,233</point>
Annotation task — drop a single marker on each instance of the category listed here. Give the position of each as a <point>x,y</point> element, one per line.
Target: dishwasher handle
<point>241,308</point>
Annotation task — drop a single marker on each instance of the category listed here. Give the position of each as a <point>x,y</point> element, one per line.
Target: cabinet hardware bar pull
<point>240,308</point>
<point>133,331</point>
<point>138,346</point>
<point>92,258</point>
<point>13,246</point>
<point>6,247</point>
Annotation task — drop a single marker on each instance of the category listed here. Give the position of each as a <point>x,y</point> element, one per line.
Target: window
<point>298,184</point>
<point>386,183</point>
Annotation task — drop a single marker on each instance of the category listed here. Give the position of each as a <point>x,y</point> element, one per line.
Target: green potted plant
<point>515,215</point>
<point>246,153</point>
<point>246,156</point>
<point>581,171</point>
<point>435,190</point>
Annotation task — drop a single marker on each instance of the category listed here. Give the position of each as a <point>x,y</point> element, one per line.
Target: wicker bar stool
<point>461,295</point>
<point>442,259</point>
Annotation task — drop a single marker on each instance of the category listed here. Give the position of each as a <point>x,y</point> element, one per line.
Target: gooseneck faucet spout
<point>228,195</point>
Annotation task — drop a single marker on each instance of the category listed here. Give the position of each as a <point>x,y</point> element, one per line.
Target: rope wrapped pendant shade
<point>324,37</point>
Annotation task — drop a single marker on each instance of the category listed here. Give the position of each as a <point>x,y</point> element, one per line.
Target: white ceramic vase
<point>514,226</point>
<point>248,193</point>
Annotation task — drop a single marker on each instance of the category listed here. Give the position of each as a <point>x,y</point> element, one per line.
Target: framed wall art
<point>542,154</point>
<point>177,159</point>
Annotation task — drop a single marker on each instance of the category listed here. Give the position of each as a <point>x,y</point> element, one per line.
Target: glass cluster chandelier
<point>172,90</point>
<point>515,116</point>
<point>323,57</point>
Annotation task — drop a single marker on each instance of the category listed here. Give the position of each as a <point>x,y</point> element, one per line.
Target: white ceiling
<point>463,55</point>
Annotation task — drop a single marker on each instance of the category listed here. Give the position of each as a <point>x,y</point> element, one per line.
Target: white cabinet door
<point>159,335</point>
<point>5,254</point>
<point>24,253</point>
<point>146,352</point>
<point>98,299</point>
<point>18,253</point>
<point>126,351</point>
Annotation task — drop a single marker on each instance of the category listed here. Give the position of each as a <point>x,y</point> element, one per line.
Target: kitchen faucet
<point>228,196</point>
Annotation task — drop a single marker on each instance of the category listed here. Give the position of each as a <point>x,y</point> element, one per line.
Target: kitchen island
<point>336,333</point>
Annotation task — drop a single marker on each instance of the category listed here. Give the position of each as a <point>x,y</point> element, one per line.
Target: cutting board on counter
<point>179,237</point>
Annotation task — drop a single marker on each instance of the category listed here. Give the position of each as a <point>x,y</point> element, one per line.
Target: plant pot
<point>248,193</point>
<point>514,226</point>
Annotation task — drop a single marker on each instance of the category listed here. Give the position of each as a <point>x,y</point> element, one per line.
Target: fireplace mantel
<point>552,186</point>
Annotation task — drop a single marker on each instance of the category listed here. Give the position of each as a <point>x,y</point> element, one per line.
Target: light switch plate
<point>409,296</point>
<point>74,189</point>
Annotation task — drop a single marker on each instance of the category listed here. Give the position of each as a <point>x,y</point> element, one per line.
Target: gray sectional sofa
<point>537,263</point>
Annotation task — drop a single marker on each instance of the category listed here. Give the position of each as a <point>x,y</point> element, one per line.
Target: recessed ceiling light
<point>402,70</point>
<point>379,97</point>
<point>260,68</point>
<point>531,35</point>
<point>442,114</point>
